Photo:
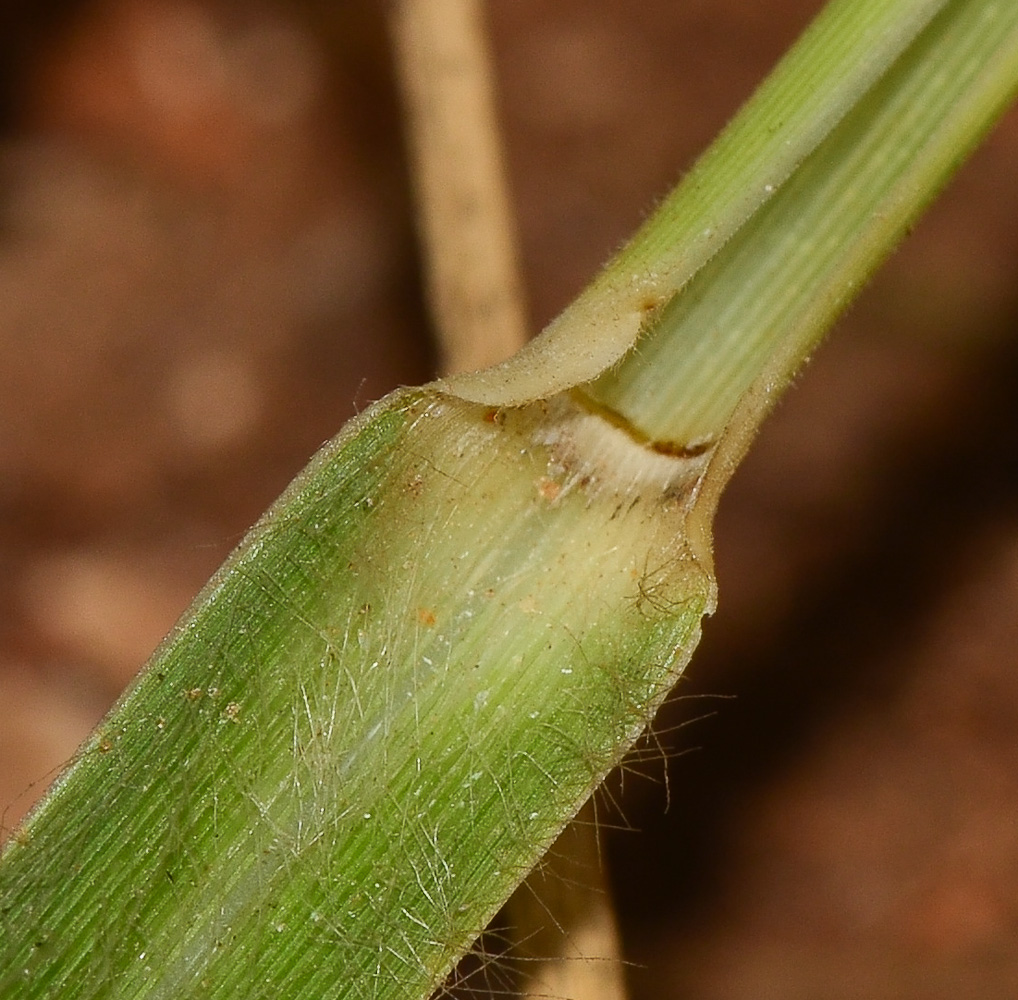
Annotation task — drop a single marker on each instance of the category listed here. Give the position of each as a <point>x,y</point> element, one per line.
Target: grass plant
<point>419,664</point>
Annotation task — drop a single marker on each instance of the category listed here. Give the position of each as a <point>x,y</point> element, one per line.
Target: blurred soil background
<point>207,264</point>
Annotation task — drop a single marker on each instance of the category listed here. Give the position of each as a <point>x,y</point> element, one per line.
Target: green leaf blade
<point>729,343</point>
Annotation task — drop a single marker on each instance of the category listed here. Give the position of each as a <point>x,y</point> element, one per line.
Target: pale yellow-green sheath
<point>437,693</point>
<point>456,620</point>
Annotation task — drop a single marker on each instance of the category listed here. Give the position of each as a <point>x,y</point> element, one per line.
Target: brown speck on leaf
<point>232,712</point>
<point>193,694</point>
<point>426,616</point>
<point>548,488</point>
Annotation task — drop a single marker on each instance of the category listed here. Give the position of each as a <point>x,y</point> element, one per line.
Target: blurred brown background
<point>207,264</point>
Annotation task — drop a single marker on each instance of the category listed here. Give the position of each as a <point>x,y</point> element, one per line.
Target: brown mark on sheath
<point>651,303</point>
<point>548,489</point>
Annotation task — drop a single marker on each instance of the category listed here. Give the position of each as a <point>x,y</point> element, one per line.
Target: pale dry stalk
<point>464,212</point>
